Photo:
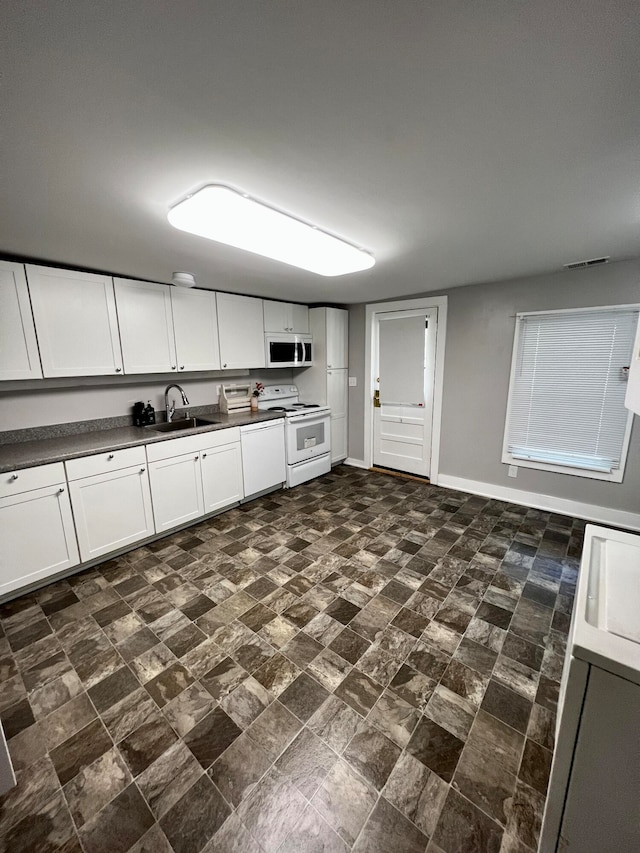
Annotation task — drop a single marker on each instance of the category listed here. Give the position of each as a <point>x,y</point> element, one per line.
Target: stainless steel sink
<point>181,425</point>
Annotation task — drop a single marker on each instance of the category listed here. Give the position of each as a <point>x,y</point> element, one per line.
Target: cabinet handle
<point>225,364</point>
<point>182,367</point>
<point>173,367</point>
<point>118,370</point>
<point>142,470</point>
<point>110,456</point>
<point>60,490</point>
<point>14,476</point>
<point>204,456</point>
<point>195,458</point>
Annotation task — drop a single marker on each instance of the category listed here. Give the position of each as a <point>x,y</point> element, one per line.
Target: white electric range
<point>307,432</point>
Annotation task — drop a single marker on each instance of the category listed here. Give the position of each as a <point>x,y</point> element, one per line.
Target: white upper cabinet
<point>165,329</point>
<point>337,320</point>
<point>19,357</point>
<point>76,322</point>
<point>195,325</point>
<point>241,327</point>
<point>285,317</point>
<point>146,326</point>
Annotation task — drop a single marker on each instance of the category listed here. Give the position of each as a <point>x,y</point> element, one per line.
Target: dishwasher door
<point>263,456</point>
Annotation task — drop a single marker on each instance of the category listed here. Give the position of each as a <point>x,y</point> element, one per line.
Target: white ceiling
<point>459,141</point>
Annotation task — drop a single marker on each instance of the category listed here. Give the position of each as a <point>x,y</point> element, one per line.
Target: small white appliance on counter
<point>263,457</point>
<point>307,432</point>
<point>593,804</point>
<point>234,398</point>
<point>288,350</point>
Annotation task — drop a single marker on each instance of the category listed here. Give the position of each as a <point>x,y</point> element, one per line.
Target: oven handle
<point>309,419</point>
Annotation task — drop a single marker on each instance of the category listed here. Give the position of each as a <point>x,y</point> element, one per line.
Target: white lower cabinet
<point>36,524</point>
<point>194,475</point>
<point>176,487</point>
<point>222,476</point>
<point>112,509</point>
<point>339,437</point>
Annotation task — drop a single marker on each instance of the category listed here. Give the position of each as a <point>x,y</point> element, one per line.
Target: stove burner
<point>276,409</point>
<point>306,405</point>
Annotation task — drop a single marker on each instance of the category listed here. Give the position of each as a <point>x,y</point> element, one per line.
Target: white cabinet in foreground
<point>592,804</point>
<point>38,536</point>
<point>111,500</point>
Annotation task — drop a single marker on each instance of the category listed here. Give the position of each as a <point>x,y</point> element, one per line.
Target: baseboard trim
<point>547,503</point>
<point>356,463</point>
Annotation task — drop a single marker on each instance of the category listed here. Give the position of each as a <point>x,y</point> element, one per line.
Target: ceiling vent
<point>579,265</point>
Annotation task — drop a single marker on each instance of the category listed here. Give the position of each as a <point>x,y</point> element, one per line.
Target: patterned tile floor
<point>362,662</point>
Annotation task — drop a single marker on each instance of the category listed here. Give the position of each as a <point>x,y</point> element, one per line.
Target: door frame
<point>372,310</point>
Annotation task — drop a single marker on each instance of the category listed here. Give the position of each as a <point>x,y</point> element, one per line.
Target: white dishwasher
<point>263,457</point>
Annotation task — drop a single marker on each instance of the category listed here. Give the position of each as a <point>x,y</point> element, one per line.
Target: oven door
<point>308,436</point>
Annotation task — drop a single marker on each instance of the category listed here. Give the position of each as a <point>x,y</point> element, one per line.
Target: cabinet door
<point>221,476</point>
<point>337,392</point>
<point>111,510</point>
<point>285,317</point>
<point>195,324</point>
<point>38,537</point>
<point>338,439</point>
<point>176,490</point>
<point>299,318</point>
<point>337,337</point>
<point>19,357</point>
<point>76,322</point>
<point>146,326</point>
<point>276,316</point>
<point>241,329</point>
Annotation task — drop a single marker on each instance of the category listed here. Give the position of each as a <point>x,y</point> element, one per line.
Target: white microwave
<point>289,350</point>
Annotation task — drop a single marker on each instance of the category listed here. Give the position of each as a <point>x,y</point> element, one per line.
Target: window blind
<point>567,394</point>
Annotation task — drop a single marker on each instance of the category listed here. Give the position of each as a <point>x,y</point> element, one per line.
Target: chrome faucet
<point>170,409</point>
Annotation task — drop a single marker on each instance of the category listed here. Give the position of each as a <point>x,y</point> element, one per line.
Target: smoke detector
<point>579,265</point>
<point>183,279</point>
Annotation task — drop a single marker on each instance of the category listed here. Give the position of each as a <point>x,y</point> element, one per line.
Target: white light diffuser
<point>222,214</point>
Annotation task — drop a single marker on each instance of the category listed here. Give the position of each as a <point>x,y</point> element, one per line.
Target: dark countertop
<point>28,454</point>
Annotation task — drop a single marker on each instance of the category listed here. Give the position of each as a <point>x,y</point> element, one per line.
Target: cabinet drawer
<point>231,435</point>
<point>15,482</point>
<point>192,443</point>
<point>102,463</point>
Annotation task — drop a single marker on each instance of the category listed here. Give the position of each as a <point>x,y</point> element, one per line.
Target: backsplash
<point>58,405</point>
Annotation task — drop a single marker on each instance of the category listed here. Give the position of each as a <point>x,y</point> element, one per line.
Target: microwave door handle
<point>299,352</point>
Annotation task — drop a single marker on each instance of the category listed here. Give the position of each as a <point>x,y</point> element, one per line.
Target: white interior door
<point>403,420</point>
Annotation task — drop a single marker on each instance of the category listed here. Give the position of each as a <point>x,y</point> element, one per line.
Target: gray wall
<point>480,331</point>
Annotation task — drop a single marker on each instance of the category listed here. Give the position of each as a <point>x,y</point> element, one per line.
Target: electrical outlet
<point>513,471</point>
<point>353,381</point>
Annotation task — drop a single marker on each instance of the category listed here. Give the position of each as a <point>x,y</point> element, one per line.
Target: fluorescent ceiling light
<point>227,216</point>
